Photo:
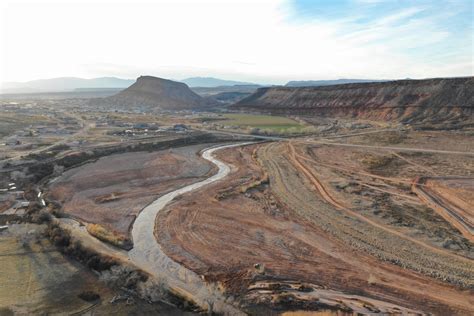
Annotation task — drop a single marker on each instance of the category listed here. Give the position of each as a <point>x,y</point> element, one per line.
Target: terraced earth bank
<point>294,227</point>
<point>434,101</point>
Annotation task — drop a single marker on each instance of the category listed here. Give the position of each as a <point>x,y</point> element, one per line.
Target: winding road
<point>148,255</point>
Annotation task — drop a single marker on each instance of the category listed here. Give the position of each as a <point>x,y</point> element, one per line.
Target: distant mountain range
<point>65,84</point>
<point>318,83</point>
<point>73,83</point>
<point>209,82</point>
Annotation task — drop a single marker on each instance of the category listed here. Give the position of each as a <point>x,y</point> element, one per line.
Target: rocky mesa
<point>157,94</point>
<point>432,101</point>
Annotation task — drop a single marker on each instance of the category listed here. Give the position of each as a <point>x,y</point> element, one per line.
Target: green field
<point>270,123</point>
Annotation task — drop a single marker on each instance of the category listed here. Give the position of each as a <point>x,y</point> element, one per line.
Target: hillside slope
<point>408,101</point>
<point>157,94</point>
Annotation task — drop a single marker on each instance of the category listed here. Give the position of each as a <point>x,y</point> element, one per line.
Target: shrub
<point>62,239</point>
<point>42,217</point>
<point>89,296</point>
<point>122,276</point>
<point>153,290</point>
<point>375,161</point>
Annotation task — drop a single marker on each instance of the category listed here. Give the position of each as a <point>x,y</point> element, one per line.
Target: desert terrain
<point>151,209</point>
<point>320,230</point>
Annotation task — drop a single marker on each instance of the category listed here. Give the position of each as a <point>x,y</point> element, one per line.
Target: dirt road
<point>390,148</point>
<point>458,217</point>
<point>356,231</point>
<point>296,159</point>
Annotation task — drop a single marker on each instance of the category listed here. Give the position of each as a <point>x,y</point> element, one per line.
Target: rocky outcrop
<point>157,94</point>
<point>407,101</point>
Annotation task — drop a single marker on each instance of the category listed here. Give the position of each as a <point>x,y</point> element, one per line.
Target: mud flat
<point>114,189</point>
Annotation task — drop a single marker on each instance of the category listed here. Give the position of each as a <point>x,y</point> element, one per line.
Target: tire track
<point>328,198</point>
<point>356,232</point>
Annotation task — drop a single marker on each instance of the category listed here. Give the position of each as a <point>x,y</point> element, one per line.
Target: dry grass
<point>109,236</point>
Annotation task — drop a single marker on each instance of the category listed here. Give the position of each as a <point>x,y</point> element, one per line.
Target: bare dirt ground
<point>114,189</point>
<point>300,227</point>
<point>378,186</point>
<point>437,140</point>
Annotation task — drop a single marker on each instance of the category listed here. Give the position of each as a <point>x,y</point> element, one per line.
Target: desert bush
<point>371,280</point>
<point>40,171</point>
<point>89,296</point>
<point>122,276</point>
<point>6,311</point>
<point>60,147</point>
<point>41,217</point>
<point>305,288</point>
<point>17,175</point>
<point>57,170</point>
<point>255,184</point>
<point>255,131</point>
<point>388,138</point>
<point>33,208</point>
<point>153,290</point>
<point>74,248</point>
<point>59,237</point>
<point>375,161</point>
<point>44,217</point>
<point>26,239</point>
<point>98,263</point>
<point>395,137</point>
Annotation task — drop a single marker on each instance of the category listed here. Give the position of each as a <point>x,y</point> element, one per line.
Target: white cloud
<point>246,40</point>
<point>398,16</point>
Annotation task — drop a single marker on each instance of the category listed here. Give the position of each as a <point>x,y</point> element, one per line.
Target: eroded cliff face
<point>407,101</point>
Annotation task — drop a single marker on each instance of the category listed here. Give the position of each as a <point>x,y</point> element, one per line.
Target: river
<point>148,255</point>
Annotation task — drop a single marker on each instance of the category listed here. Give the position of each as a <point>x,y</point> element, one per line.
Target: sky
<point>262,41</point>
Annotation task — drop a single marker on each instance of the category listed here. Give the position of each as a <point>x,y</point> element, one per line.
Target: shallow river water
<point>148,255</point>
